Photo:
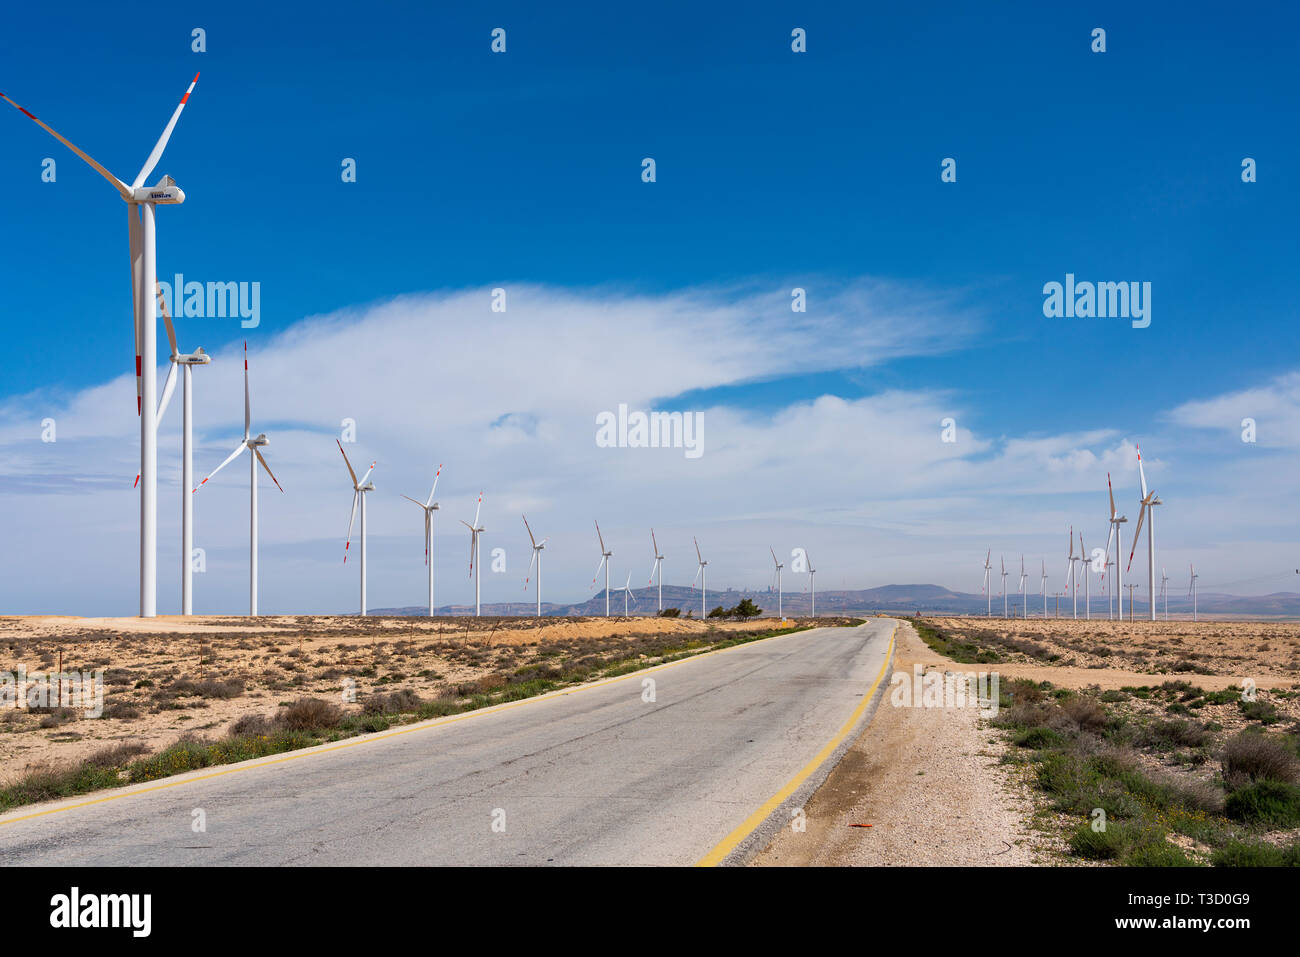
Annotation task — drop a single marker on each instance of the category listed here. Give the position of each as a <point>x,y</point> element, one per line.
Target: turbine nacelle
<point>258,440</point>
<point>166,193</point>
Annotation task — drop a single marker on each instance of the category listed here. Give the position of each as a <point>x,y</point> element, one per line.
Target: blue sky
<point>774,170</point>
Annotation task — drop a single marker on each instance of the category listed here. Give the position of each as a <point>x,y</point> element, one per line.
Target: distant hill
<point>908,599</point>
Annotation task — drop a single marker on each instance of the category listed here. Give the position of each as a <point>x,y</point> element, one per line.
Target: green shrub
<point>1037,737</point>
<point>1267,803</point>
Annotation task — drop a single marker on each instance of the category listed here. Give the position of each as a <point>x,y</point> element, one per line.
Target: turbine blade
<point>600,536</point>
<point>654,543</point>
<point>413,501</point>
<point>1137,530</point>
<point>368,471</point>
<point>258,453</point>
<point>248,413</point>
<point>230,458</point>
<point>698,556</point>
<point>1142,472</point>
<point>168,388</point>
<point>698,569</point>
<point>437,475</point>
<point>161,145</point>
<point>355,483</point>
<point>1111,491</point>
<point>530,531</point>
<point>167,319</point>
<point>351,518</point>
<point>478,508</point>
<point>120,186</point>
<point>136,229</point>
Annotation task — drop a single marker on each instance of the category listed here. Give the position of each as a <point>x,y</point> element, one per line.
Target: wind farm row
<point>1099,563</point>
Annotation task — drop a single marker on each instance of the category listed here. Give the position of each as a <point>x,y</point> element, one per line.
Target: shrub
<point>1267,803</point>
<point>1255,854</point>
<point>1261,711</point>
<point>1037,737</point>
<point>1157,854</point>
<point>1085,712</point>
<point>1251,756</point>
<point>670,613</point>
<point>392,703</point>
<point>307,714</point>
<point>1167,735</point>
<point>1099,845</point>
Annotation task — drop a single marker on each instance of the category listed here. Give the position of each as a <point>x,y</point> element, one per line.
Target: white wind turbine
<point>605,556</point>
<point>1024,605</point>
<point>1149,502</point>
<point>1004,588</point>
<point>779,613</point>
<point>1191,591</point>
<point>197,358</point>
<point>1071,583</point>
<point>1087,582</point>
<point>627,593</point>
<point>1116,533</point>
<point>988,585</point>
<point>812,583</point>
<point>252,444</point>
<point>429,506</point>
<point>1042,588</point>
<point>537,558</point>
<point>140,202</point>
<point>474,531</point>
<point>700,577</point>
<point>1164,590</point>
<point>657,569</point>
<point>359,490</point>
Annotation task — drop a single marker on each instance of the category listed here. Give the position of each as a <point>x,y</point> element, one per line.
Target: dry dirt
<point>269,661</point>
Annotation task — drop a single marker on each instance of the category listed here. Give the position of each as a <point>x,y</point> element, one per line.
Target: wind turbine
<point>812,583</point>
<point>627,592</point>
<point>700,576</point>
<point>988,590</point>
<point>1116,533</point>
<point>1191,590</point>
<point>779,613</point>
<point>140,202</point>
<point>605,556</point>
<point>537,558</point>
<point>1164,590</point>
<point>188,362</point>
<point>429,506</point>
<point>359,490</point>
<point>1024,609</point>
<point>254,445</point>
<point>657,568</point>
<point>1004,588</point>
<point>474,531</point>
<point>1087,582</point>
<point>1149,502</point>
<point>1071,582</point>
<point>1042,588</point>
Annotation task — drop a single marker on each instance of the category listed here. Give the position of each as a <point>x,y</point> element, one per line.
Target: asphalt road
<point>594,776</point>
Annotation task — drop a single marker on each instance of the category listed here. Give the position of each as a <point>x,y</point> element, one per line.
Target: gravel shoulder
<point>928,783</point>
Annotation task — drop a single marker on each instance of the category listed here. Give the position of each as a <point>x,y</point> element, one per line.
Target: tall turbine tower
<point>537,558</point>
<point>1004,588</point>
<point>812,583</point>
<point>140,203</point>
<point>988,586</point>
<point>779,613</point>
<point>360,488</point>
<point>1149,501</point>
<point>254,445</point>
<point>657,569</point>
<point>701,577</point>
<point>1164,591</point>
<point>1191,591</point>
<point>1116,533</point>
<point>429,506</point>
<point>605,555</point>
<point>1042,588</point>
<point>475,531</point>
<point>627,593</point>
<point>1087,581</point>
<point>1071,582</point>
<point>1024,604</point>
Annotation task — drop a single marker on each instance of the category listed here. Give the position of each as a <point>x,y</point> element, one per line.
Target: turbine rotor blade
<point>258,453</point>
<point>351,518</point>
<point>161,145</point>
<point>437,475</point>
<point>248,413</point>
<point>230,458</point>
<point>120,186</point>
<point>355,483</point>
<point>167,319</point>
<point>530,531</point>
<point>168,388</point>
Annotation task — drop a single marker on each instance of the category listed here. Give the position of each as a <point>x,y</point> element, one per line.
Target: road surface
<point>730,744</point>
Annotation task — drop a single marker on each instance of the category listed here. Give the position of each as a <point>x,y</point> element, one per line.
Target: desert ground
<point>170,676</point>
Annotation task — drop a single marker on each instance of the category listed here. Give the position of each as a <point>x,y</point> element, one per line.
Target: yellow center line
<point>751,823</point>
<point>192,777</point>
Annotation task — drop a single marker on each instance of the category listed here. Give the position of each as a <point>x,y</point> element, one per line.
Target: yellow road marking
<point>193,776</point>
<point>732,840</point>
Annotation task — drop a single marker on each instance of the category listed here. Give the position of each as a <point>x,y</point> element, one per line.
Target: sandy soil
<point>263,663</point>
<point>925,780</point>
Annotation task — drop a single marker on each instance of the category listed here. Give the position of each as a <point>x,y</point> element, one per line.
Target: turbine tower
<point>988,588</point>
<point>1024,605</point>
<point>657,569</point>
<point>779,613</point>
<point>1164,591</point>
<point>474,531</point>
<point>1117,534</point>
<point>537,558</point>
<point>253,445</point>
<point>429,506</point>
<point>700,577</point>
<point>1004,588</point>
<point>812,583</point>
<point>359,491</point>
<point>1071,582</point>
<point>1087,582</point>
<point>1042,588</point>
<point>141,201</point>
<point>1191,591</point>
<point>605,556</point>
<point>1149,501</point>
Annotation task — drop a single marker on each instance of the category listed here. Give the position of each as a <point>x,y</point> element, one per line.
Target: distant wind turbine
<point>537,558</point>
<point>475,531</point>
<point>1004,588</point>
<point>1164,591</point>
<point>1149,501</point>
<point>1024,604</point>
<point>627,593</point>
<point>1117,534</point>
<point>779,613</point>
<point>1071,582</point>
<point>988,586</point>
<point>1087,581</point>
<point>360,488</point>
<point>1191,591</point>
<point>657,568</point>
<point>1042,588</point>
<point>605,556</point>
<point>429,506</point>
<point>254,445</point>
<point>700,577</point>
<point>812,583</point>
